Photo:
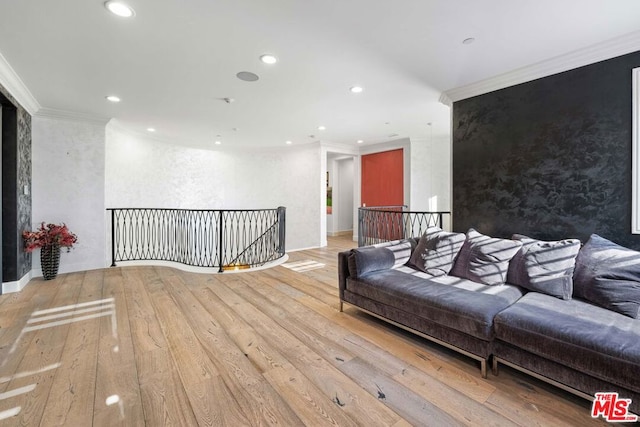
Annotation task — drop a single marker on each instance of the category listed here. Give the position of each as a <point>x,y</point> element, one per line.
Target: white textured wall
<point>431,174</point>
<point>68,186</point>
<point>142,172</point>
<point>331,224</point>
<point>345,172</point>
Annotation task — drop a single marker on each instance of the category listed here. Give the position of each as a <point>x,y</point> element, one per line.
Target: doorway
<point>383,178</point>
<point>340,194</point>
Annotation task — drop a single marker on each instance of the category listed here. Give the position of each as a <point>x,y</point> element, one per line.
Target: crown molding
<point>52,113</point>
<point>16,87</point>
<point>599,52</point>
<point>444,99</point>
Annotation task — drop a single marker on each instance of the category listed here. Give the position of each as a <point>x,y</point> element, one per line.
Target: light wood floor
<point>158,346</point>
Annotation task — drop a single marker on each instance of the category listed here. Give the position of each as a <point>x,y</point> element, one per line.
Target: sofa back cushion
<point>545,267</point>
<point>485,259</point>
<point>437,251</point>
<point>370,259</point>
<point>608,275</point>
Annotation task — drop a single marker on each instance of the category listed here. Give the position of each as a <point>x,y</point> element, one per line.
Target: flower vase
<point>50,260</point>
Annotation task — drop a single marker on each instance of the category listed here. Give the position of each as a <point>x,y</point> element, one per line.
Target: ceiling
<point>175,61</point>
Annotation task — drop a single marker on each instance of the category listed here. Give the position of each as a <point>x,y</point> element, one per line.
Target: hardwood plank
<point>117,397</point>
<point>309,403</point>
<point>470,384</point>
<point>259,402</point>
<point>538,403</point>
<point>164,400</point>
<point>456,404</point>
<point>145,329</point>
<point>71,396</point>
<point>359,404</point>
<point>402,400</point>
<point>313,408</point>
<point>36,350</point>
<point>211,401</point>
<point>296,317</point>
<point>15,314</point>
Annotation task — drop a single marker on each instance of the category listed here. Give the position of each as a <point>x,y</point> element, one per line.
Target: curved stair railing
<point>226,239</point>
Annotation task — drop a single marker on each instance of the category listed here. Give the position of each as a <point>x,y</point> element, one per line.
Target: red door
<point>383,179</point>
<point>383,185</point>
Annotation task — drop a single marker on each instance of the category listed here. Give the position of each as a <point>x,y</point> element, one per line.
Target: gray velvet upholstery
<point>573,342</point>
<point>576,334</point>
<point>447,334</point>
<point>485,259</point>
<point>465,310</point>
<point>371,259</point>
<point>545,267</point>
<point>437,251</point>
<point>609,275</point>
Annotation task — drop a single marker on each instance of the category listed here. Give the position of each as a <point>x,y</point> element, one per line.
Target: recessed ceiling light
<point>218,142</point>
<point>151,129</point>
<point>356,89</point>
<point>321,128</point>
<point>268,59</point>
<point>288,142</point>
<point>119,8</point>
<point>247,76</point>
<point>468,41</point>
<point>112,98</point>
<point>359,141</point>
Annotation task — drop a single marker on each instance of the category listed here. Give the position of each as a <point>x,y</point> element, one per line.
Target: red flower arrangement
<point>49,235</point>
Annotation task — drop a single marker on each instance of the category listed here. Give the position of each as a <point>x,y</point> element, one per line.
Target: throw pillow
<point>370,259</point>
<point>436,251</point>
<point>485,259</point>
<point>608,275</point>
<point>545,267</point>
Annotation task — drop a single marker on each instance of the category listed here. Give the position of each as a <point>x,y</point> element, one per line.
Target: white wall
<point>344,190</point>
<point>331,170</point>
<point>68,186</point>
<point>431,174</point>
<point>143,172</point>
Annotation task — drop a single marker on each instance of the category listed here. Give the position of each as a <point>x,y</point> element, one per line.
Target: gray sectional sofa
<point>564,314</point>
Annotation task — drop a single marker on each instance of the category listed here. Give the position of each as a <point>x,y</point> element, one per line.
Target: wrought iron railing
<point>377,224</point>
<point>226,239</point>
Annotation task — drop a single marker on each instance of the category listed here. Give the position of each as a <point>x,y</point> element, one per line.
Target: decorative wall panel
<point>20,205</point>
<point>549,158</point>
<point>24,182</point>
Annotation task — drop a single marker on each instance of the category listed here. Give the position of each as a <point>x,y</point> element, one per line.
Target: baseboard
<point>200,270</point>
<point>339,233</point>
<point>71,268</point>
<point>17,286</point>
<point>303,249</point>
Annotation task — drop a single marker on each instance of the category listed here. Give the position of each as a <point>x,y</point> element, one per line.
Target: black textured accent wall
<point>16,175</point>
<point>549,158</point>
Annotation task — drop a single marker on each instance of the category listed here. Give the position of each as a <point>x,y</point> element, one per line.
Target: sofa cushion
<point>608,343</point>
<point>608,275</point>
<point>436,251</point>
<point>452,302</point>
<point>370,259</point>
<point>545,267</point>
<point>485,259</point>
